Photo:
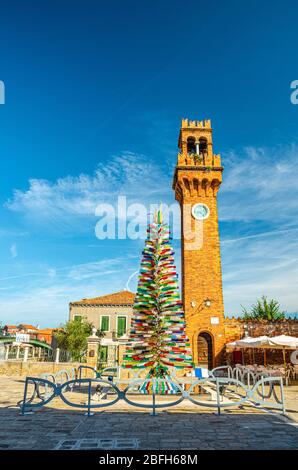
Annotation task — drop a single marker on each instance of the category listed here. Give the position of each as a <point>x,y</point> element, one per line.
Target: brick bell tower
<point>197,178</point>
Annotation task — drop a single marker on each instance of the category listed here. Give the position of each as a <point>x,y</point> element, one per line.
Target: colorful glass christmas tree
<point>157,336</point>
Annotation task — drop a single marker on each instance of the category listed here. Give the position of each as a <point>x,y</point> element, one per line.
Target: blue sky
<point>95,92</point>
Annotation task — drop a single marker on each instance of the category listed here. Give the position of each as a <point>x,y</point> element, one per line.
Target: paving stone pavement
<point>58,426</point>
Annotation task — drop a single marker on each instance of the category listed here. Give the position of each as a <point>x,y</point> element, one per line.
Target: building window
<point>203,146</point>
<point>77,318</point>
<point>191,145</point>
<point>104,323</point>
<point>121,326</point>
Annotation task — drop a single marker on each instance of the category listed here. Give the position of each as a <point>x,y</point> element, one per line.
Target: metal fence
<point>97,393</point>
<point>34,354</point>
<point>244,374</point>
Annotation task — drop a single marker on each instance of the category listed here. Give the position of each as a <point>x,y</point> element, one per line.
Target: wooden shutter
<point>121,326</point>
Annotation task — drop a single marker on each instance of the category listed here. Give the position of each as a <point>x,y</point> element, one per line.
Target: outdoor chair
<point>295,371</point>
<point>287,377</point>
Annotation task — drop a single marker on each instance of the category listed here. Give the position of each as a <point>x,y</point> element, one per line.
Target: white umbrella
<point>249,342</point>
<point>264,342</point>
<point>284,341</point>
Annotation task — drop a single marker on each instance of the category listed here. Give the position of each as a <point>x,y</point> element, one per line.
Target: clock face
<point>200,211</point>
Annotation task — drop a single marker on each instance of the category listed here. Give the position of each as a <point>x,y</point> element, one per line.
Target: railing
<point>57,379</point>
<point>45,356</point>
<point>15,353</point>
<point>222,371</point>
<point>37,354</point>
<point>64,356</point>
<point>81,368</point>
<point>61,376</point>
<point>47,380</point>
<point>52,355</point>
<point>249,377</point>
<point>97,393</point>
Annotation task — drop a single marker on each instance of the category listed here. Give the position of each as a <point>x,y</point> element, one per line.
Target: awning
<point>283,341</point>
<point>258,342</point>
<point>276,342</point>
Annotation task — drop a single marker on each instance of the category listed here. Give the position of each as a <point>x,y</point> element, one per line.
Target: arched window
<point>202,145</point>
<point>191,145</point>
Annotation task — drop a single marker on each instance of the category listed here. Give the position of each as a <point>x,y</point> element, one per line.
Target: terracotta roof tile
<point>29,327</point>
<point>47,330</point>
<point>123,297</point>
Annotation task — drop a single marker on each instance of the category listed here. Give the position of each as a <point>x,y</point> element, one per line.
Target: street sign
<point>22,338</point>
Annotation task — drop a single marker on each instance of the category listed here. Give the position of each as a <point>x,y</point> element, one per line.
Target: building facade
<point>111,314</point>
<point>44,335</point>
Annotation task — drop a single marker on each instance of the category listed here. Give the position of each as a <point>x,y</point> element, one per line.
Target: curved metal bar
<point>274,393</point>
<point>47,375</point>
<point>60,374</point>
<point>263,395</point>
<point>73,373</point>
<point>270,381</point>
<point>227,368</point>
<point>248,377</point>
<point>153,405</point>
<point>33,396</point>
<point>90,405</point>
<point>80,368</point>
<point>39,394</point>
<point>219,381</point>
<point>238,374</point>
<point>35,380</point>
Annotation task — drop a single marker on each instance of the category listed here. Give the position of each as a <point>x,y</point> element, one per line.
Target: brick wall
<point>33,369</point>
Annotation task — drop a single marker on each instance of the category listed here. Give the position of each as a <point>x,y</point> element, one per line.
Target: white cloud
<point>52,272</point>
<point>258,235</point>
<point>260,192</point>
<point>13,251</point>
<point>133,175</point>
<point>44,299</point>
<point>96,269</point>
<point>266,265</point>
<point>260,184</point>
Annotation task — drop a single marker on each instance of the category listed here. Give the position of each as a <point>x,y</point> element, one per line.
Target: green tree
<point>72,337</point>
<point>264,309</point>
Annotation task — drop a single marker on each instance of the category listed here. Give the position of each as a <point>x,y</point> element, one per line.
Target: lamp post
<point>206,303</point>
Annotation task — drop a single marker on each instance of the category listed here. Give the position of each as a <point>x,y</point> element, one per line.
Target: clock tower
<point>197,178</point>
